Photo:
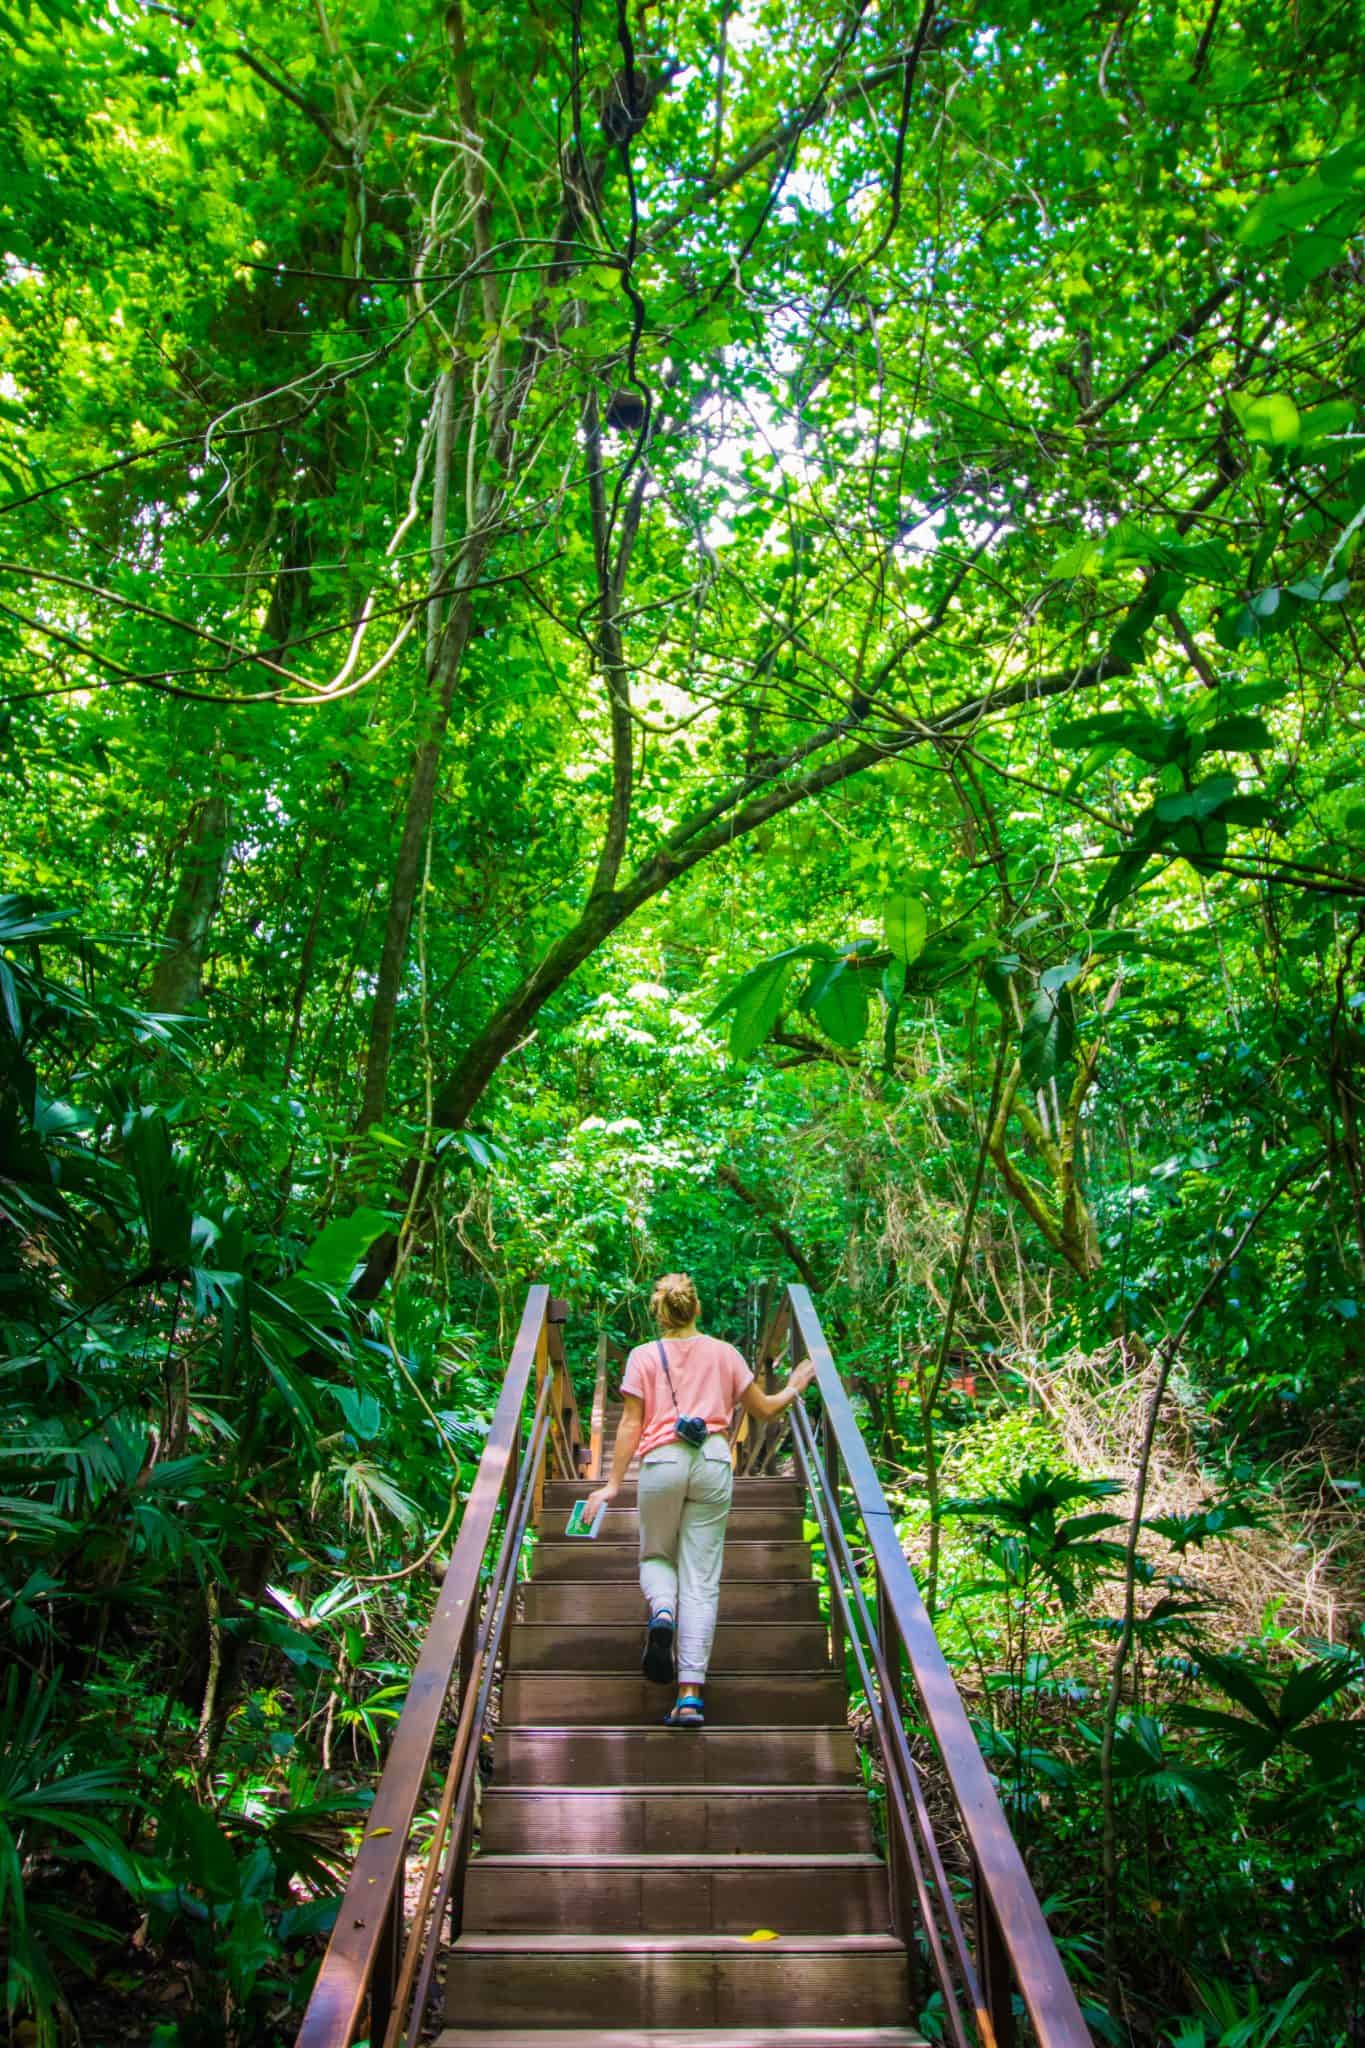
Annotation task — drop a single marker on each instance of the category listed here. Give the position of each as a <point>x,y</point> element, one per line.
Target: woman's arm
<point>764,1406</point>
<point>627,1443</point>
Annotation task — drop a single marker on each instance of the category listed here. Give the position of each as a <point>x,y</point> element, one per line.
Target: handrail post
<point>829,1458</point>
<point>599,1409</point>
<point>766,1436</point>
<point>542,1368</point>
<point>993,1965</point>
<point>565,1406</point>
<point>385,1974</point>
<point>888,1636</point>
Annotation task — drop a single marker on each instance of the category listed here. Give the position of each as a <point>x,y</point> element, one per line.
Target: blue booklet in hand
<point>578,1523</point>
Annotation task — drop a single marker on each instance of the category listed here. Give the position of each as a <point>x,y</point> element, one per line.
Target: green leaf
<point>907,927</point>
<point>837,999</point>
<point>1196,804</point>
<point>1310,1689</point>
<point>362,1411</point>
<point>1158,741</point>
<point>739,991</point>
<point>1121,881</point>
<point>1232,1677</point>
<point>760,1007</point>
<point>1048,1039</point>
<point>1269,422</point>
<point>1321,422</point>
<point>340,1245</point>
<point>1084,558</point>
<point>1330,193</point>
<point>1242,732</point>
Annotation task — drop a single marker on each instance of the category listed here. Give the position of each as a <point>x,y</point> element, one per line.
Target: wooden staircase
<point>624,1869</point>
<point>713,1888</point>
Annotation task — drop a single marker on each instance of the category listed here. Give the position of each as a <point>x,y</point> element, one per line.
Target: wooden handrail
<point>902,1784</point>
<point>364,1939</point>
<point>1013,1938</point>
<point>442,1877</point>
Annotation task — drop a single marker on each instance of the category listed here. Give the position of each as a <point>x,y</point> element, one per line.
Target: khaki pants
<point>684,1506</point>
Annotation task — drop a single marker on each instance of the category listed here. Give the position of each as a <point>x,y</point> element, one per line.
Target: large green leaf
<point>760,1007</point>
<point>338,1248</point>
<point>837,999</point>
<point>1270,421</point>
<point>907,927</point>
<point>756,998</point>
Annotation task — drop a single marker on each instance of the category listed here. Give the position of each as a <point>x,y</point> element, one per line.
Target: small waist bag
<point>691,1428</point>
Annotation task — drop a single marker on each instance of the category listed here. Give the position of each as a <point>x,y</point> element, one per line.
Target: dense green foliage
<point>710,636</point>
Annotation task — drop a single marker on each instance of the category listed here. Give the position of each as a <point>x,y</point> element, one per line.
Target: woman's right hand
<point>802,1377</point>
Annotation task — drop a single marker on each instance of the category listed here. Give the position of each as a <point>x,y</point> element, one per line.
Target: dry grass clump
<point>1306,1564</point>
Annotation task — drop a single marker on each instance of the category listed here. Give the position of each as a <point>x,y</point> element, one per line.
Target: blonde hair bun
<point>674,1303</point>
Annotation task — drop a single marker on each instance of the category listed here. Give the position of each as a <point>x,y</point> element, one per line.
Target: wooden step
<point>556,1699</point>
<point>781,1492</point>
<point>680,1980</point>
<point>578,1557</point>
<point>603,1602</point>
<point>746,1525</point>
<point>613,1756</point>
<point>689,2037</point>
<point>805,1893</point>
<point>675,1820</point>
<point>786,1646</point>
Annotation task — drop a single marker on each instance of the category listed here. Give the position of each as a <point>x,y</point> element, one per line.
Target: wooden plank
<point>750,1522</point>
<point>746,1759</point>
<point>806,1893</point>
<point>676,1980</point>
<point>339,1993</point>
<point>594,1644</point>
<point>572,1557</point>
<point>762,1491</point>
<point>602,1602</point>
<point>684,2037</point>
<point>563,1698</point>
<point>695,1820</point>
<point>1043,1982</point>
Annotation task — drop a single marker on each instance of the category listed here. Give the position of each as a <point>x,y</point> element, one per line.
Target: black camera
<point>692,1429</point>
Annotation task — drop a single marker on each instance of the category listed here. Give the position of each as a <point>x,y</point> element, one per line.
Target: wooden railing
<point>376,1977</point>
<point>890,1637</point>
<point>370,1972</point>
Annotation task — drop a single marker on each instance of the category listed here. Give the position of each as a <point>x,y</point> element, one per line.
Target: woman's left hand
<point>597,1500</point>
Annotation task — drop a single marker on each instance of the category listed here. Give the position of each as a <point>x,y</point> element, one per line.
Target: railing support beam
<point>993,1967</point>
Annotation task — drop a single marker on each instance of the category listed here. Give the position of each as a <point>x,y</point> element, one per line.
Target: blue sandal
<point>688,1712</point>
<point>657,1662</point>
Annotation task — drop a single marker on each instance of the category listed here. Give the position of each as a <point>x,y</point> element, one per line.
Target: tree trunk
<point>177,978</point>
<point>408,865</point>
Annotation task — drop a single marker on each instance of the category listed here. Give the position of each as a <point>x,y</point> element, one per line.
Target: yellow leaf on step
<point>763,1934</point>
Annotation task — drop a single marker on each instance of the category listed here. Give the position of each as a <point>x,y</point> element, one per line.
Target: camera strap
<point>663,1360</point>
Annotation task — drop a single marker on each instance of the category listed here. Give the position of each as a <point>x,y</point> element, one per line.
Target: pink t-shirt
<point>708,1375</point>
